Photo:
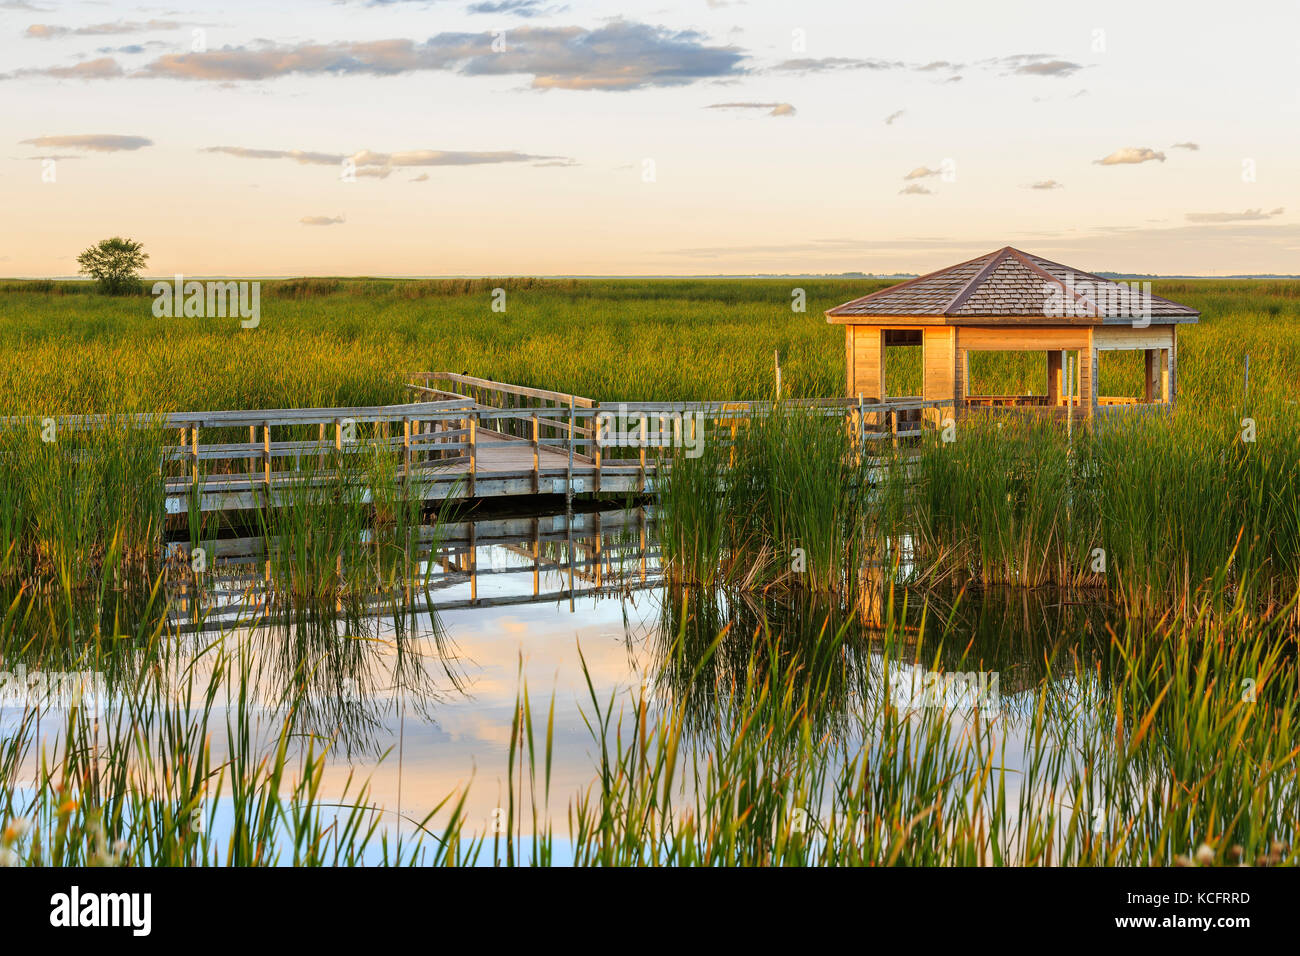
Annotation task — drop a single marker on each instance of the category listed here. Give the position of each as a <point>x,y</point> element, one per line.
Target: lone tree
<point>116,263</point>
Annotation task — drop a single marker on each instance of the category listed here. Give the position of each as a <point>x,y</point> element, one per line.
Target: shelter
<point>1010,300</point>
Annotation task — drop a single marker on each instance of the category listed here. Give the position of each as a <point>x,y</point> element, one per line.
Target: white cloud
<point>1130,155</point>
<point>1248,215</point>
<point>95,142</point>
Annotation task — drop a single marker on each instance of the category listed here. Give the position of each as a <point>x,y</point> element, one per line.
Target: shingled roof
<point>1011,286</point>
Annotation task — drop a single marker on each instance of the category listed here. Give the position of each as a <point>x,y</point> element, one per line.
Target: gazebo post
<point>868,352</point>
<point>1088,378</point>
<point>1055,359</point>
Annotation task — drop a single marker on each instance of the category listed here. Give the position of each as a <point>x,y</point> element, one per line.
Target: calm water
<point>420,702</point>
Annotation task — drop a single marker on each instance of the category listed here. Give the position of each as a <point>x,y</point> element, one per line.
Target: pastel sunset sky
<point>569,137</point>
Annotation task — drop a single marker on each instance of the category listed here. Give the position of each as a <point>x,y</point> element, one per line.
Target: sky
<point>545,137</point>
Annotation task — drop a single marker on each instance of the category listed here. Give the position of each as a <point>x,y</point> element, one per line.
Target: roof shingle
<point>1009,282</point>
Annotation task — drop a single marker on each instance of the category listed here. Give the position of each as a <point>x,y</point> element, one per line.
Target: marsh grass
<point>781,501</point>
<point>354,342</point>
<point>82,508</point>
<point>1148,510</point>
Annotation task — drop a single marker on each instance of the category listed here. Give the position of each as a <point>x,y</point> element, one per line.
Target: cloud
<point>775,109</point>
<point>1249,215</point>
<point>422,178</point>
<point>321,220</point>
<point>1096,248</point>
<point>1189,146</point>
<point>620,55</point>
<point>1025,64</point>
<point>515,8</point>
<point>103,68</point>
<point>47,31</point>
<point>95,142</point>
<point>915,189</point>
<point>831,64</point>
<point>1037,64</point>
<point>1047,184</point>
<point>889,120</point>
<point>133,49</point>
<point>301,156</point>
<point>922,172</point>
<point>374,165</point>
<point>1130,155</point>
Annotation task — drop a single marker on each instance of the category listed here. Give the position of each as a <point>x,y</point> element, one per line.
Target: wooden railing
<point>487,439</point>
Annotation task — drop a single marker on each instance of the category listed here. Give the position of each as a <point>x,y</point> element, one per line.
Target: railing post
<point>194,453</point>
<point>266,460</point>
<point>473,453</point>
<point>252,461</point>
<point>595,428</point>
<point>568,481</point>
<point>537,456</point>
<point>861,428</point>
<point>406,447</point>
<point>644,429</point>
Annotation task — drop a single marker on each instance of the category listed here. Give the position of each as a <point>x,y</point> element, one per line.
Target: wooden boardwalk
<point>465,439</point>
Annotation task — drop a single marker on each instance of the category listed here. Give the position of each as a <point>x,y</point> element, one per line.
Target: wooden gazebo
<point>1010,300</point>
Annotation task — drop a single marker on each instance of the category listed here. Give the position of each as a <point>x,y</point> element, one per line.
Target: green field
<point>355,341</point>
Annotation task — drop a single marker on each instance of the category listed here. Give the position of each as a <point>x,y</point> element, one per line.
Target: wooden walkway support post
<point>537,455</point>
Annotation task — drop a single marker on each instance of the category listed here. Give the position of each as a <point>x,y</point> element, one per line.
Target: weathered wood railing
<point>526,441</point>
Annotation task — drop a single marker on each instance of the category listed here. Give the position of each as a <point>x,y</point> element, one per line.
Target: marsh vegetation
<point>734,705</point>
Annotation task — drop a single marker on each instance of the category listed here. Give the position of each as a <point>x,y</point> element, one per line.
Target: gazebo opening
<point>904,355</point>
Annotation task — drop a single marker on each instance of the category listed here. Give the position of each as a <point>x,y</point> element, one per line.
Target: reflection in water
<point>413,685</point>
<point>437,659</point>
